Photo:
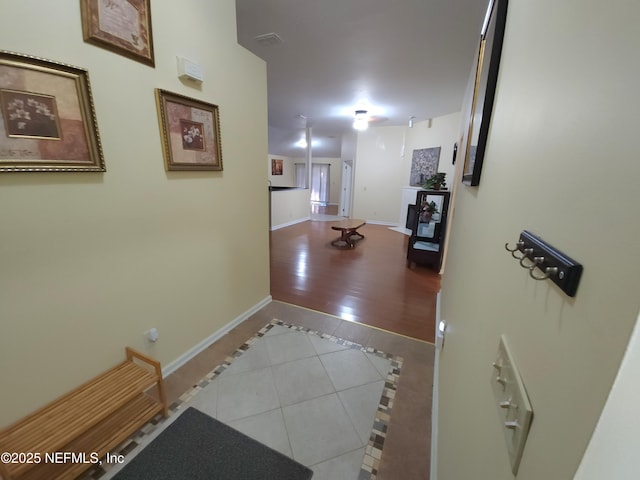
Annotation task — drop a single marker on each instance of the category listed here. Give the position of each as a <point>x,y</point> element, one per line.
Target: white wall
<point>438,132</point>
<point>289,207</point>
<point>91,261</point>
<point>613,449</point>
<point>560,127</point>
<point>348,146</point>
<point>378,174</point>
<point>383,163</point>
<point>288,177</point>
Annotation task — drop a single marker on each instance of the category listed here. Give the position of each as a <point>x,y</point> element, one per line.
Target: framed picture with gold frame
<point>490,50</point>
<point>190,131</point>
<point>48,121</point>
<point>122,26</point>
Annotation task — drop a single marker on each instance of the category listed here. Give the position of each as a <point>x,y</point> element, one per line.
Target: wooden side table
<point>348,228</point>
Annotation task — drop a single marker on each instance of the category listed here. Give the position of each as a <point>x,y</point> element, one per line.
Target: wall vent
<point>268,39</point>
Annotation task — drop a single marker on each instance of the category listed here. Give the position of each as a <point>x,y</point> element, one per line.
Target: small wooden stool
<point>349,228</point>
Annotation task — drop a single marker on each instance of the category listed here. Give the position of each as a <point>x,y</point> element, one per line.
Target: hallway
<point>367,294</point>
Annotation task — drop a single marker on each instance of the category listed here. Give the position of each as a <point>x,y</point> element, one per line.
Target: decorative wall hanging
<point>276,166</point>
<point>48,121</point>
<point>190,132</point>
<point>424,164</point>
<point>484,90</point>
<point>122,26</point>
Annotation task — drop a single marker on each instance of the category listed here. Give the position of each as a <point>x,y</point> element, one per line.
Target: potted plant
<point>435,181</point>
<point>427,210</point>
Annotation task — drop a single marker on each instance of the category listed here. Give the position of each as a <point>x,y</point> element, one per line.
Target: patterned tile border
<point>373,450</point>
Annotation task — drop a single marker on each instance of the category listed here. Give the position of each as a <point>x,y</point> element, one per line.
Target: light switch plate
<point>514,409</point>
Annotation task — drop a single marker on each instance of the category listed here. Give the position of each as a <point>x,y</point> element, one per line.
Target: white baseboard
<point>386,224</point>
<point>288,224</point>
<point>403,230</point>
<point>192,352</point>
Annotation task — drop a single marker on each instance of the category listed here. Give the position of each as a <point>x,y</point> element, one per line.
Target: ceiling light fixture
<point>411,121</point>
<point>361,120</point>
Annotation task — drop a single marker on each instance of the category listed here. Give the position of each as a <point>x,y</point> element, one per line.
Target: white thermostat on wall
<point>188,70</point>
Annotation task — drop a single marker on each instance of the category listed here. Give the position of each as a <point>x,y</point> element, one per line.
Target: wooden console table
<point>348,228</point>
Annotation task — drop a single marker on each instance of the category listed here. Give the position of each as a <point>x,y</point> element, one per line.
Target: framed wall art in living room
<point>48,120</point>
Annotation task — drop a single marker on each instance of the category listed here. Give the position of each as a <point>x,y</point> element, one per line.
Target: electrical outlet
<point>152,335</point>
<point>514,408</point>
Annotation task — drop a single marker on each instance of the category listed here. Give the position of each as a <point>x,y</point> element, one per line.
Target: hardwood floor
<point>369,284</point>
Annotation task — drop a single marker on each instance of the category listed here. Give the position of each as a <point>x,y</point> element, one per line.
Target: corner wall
<point>288,177</point>
<point>89,262</point>
<point>561,161</point>
<point>613,449</point>
<point>377,174</point>
<point>438,132</point>
<point>383,164</point>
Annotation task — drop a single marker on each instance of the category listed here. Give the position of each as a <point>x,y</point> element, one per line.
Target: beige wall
<point>383,163</point>
<point>561,162</point>
<point>378,174</point>
<point>289,207</point>
<point>613,449</point>
<point>439,132</point>
<point>91,261</point>
<point>288,177</point>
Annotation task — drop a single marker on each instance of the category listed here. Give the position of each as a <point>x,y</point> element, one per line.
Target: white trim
<point>387,224</point>
<point>434,402</point>
<point>288,224</point>
<point>199,347</point>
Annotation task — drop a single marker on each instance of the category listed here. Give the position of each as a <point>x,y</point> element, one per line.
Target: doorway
<point>345,192</point>
<point>320,183</point>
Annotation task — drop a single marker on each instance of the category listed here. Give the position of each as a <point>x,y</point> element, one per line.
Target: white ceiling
<point>403,57</point>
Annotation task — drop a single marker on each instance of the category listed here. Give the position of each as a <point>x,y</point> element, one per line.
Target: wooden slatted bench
<point>92,419</point>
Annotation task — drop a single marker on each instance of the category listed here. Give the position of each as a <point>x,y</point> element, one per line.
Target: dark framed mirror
<point>489,52</point>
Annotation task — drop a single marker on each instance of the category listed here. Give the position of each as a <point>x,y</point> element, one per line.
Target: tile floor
<point>315,399</point>
<point>312,399</point>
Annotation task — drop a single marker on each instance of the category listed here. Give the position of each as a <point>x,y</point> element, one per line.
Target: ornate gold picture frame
<point>47,117</point>
<point>190,131</point>
<point>122,26</point>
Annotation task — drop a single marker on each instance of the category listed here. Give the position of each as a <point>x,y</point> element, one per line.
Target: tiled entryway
<point>312,371</point>
<point>313,399</point>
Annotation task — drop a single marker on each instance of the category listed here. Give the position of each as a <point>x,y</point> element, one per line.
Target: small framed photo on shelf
<point>48,120</point>
<point>122,26</point>
<point>190,131</point>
